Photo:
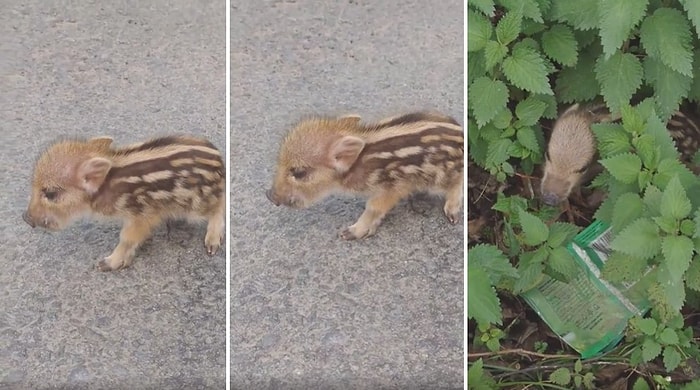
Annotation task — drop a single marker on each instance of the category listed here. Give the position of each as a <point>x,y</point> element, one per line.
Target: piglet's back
<point>419,151</point>
<point>176,176</point>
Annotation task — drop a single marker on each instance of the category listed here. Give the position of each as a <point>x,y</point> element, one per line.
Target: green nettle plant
<point>527,60</point>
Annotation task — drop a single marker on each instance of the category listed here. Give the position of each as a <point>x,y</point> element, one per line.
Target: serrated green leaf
<point>493,345</point>
<point>692,8</point>
<point>529,8</point>
<point>648,151</point>
<point>632,120</point>
<point>493,261</point>
<point>477,68</point>
<point>487,98</point>
<point>687,228</point>
<point>636,357</point>
<point>503,119</point>
<point>478,151</point>
<point>666,36</point>
<point>623,167</point>
<point>672,358</point>
<point>619,77</point>
<point>672,167</point>
<point>667,224</point>
<point>510,206</point>
<point>498,152</point>
<point>511,241</point>
<point>562,262</point>
<point>657,129</point>
<point>578,366</point>
<point>588,379</point>
<point>647,326</point>
<point>560,45</point>
<point>670,87</point>
<point>640,239</point>
<point>508,168</point>
<point>582,14</point>
<point>486,309</point>
<point>561,233</point>
<point>678,251</point>
<point>526,69</point>
<point>485,6</point>
<point>475,372</point>
<point>526,137</point>
<point>605,210</point>
<point>674,202</point>
<point>479,31</point>
<point>673,293</point>
<point>692,274</point>
<point>644,178</point>
<point>534,230</point>
<point>550,111</point>
<point>641,384</point>
<point>529,111</point>
<point>530,268</point>
<point>628,208</point>
<point>561,376</point>
<point>494,53</point>
<point>668,337</point>
<point>612,139</point>
<point>508,27</point>
<point>650,349</point>
<point>508,132</point>
<point>578,83</point>
<point>586,37</point>
<point>489,132</point>
<point>694,93</point>
<point>620,268</point>
<point>530,27</point>
<point>617,18</point>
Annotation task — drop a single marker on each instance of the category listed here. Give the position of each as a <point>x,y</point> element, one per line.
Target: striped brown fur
<point>142,184</point>
<point>386,161</point>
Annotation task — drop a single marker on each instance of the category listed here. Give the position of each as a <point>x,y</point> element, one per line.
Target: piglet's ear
<point>344,151</point>
<point>92,173</point>
<point>101,142</point>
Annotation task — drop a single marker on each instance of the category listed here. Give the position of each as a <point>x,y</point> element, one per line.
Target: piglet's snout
<point>28,219</point>
<point>270,194</point>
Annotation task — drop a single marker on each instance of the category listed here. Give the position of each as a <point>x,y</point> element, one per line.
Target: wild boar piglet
<point>385,161</point>
<point>142,184</point>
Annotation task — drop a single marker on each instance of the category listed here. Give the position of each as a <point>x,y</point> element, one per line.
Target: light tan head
<point>570,152</point>
<point>65,176</point>
<point>312,159</point>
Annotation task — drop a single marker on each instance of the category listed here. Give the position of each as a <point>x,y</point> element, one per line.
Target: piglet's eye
<point>299,173</point>
<point>50,193</point>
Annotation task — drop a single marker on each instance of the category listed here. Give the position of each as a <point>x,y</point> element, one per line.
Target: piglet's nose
<point>271,197</point>
<point>28,219</point>
<point>550,199</point>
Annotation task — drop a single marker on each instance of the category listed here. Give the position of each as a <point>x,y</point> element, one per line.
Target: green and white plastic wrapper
<point>589,313</point>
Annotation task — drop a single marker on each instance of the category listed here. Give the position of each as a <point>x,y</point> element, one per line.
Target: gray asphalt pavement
<point>131,70</point>
<point>309,310</point>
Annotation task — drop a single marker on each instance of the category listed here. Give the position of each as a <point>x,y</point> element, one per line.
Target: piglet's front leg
<point>376,208</point>
<point>134,232</point>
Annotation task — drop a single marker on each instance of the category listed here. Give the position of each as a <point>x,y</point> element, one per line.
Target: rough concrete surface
<point>309,310</point>
<point>131,70</point>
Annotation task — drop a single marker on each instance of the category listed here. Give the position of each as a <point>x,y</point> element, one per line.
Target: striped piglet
<point>386,161</point>
<point>142,184</point>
